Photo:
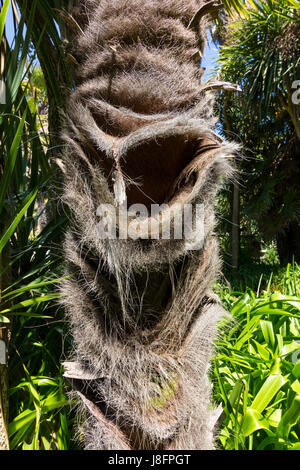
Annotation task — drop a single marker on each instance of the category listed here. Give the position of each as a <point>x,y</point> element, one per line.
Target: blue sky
<point>210,59</point>
<point>9,25</point>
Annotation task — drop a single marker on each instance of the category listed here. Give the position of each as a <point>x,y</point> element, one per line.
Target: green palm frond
<point>262,51</point>
<point>238,7</point>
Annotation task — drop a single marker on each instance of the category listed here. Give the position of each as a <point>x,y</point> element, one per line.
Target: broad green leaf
<point>275,297</point>
<point>268,332</point>
<point>275,311</point>
<point>27,202</point>
<point>32,302</point>
<point>295,446</point>
<point>33,286</point>
<point>22,420</point>
<point>53,404</point>
<point>27,314</point>
<point>3,17</point>
<point>276,369</point>
<point>62,434</point>
<point>274,417</point>
<point>289,419</point>
<point>252,422</point>
<point>241,305</point>
<point>236,392</point>
<point>4,319</point>
<point>296,386</point>
<point>280,301</point>
<point>10,162</point>
<point>279,338</point>
<point>262,351</point>
<point>289,348</point>
<point>295,302</point>
<point>296,370</point>
<point>28,446</point>
<point>269,389</point>
<point>46,443</point>
<point>247,332</point>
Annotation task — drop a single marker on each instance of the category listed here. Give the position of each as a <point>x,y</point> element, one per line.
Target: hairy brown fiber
<point>139,125</point>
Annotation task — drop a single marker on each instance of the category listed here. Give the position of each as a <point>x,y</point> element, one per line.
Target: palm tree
<point>261,53</point>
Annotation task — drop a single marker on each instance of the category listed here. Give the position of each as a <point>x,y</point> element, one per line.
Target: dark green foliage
<point>257,367</point>
<point>261,53</point>
<point>31,260</point>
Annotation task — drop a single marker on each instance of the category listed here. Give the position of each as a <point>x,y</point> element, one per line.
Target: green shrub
<point>257,368</point>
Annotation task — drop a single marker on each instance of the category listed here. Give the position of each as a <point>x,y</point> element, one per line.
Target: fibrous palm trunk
<point>139,130</point>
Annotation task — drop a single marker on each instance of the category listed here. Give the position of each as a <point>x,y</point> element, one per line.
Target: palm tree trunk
<point>143,333</point>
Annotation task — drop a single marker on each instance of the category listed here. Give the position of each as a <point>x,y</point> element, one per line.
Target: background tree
<point>28,266</point>
<point>261,53</point>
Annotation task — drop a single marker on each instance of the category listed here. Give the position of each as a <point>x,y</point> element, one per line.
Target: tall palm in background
<point>261,52</point>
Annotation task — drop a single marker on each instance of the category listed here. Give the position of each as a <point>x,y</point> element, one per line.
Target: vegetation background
<point>256,367</point>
